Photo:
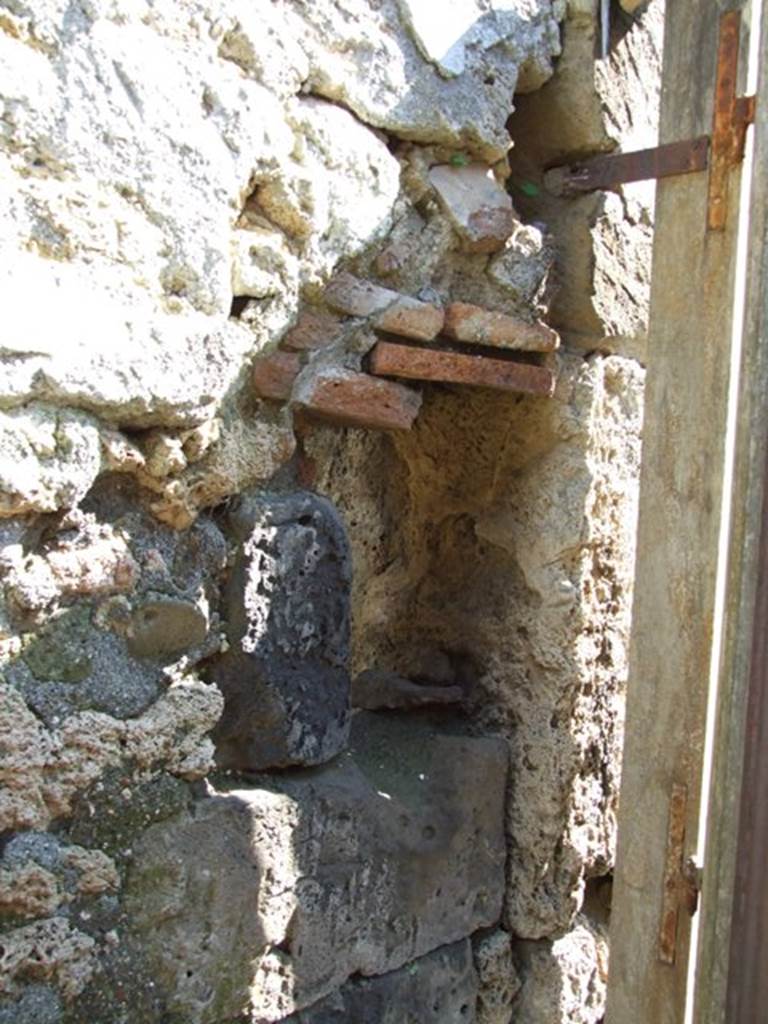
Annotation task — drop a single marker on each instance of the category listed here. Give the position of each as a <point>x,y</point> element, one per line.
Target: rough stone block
<point>564,980</point>
<point>474,325</point>
<point>390,310</point>
<point>314,329</point>
<point>273,375</point>
<point>284,678</point>
<point>498,980</point>
<point>162,628</point>
<point>270,895</point>
<point>391,360</point>
<point>352,399</point>
<point>478,207</point>
<point>440,988</point>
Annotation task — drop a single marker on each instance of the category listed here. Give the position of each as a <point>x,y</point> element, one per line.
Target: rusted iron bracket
<point>720,151</point>
<point>732,116</point>
<point>673,874</point>
<point>682,876</point>
<point>608,171</point>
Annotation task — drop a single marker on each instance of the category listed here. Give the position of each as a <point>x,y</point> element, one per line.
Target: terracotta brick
<point>352,399</point>
<point>474,325</point>
<point>314,329</point>
<point>392,360</point>
<point>389,310</point>
<point>273,375</point>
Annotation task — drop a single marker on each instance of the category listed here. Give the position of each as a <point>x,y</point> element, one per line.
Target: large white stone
<point>564,980</point>
<point>368,59</point>
<point>48,459</point>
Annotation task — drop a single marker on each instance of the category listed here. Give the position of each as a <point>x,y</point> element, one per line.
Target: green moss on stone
<point>59,651</point>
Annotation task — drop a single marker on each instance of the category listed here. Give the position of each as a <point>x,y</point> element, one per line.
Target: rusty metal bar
<point>673,874</point>
<point>724,132</point>
<point>725,148</point>
<point>612,170</point>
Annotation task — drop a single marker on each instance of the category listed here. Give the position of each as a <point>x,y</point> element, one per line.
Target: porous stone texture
<point>565,980</point>
<point>181,183</point>
<point>39,874</point>
<point>440,988</point>
<point>48,459</point>
<point>285,675</point>
<point>272,894</point>
<point>498,980</point>
<point>603,239</point>
<point>513,561</point>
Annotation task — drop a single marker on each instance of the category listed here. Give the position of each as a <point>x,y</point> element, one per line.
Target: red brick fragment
<point>352,399</point>
<point>314,329</point>
<point>475,325</point>
<point>390,311</point>
<point>406,361</point>
<point>273,375</point>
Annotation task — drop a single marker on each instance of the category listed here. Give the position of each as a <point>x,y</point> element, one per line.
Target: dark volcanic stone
<point>285,678</point>
<point>440,988</point>
<point>268,896</point>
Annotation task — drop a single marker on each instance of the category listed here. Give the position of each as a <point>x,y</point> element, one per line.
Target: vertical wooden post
<point>732,975</point>
<point>678,548</point>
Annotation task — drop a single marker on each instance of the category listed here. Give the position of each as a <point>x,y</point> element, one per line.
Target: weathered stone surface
<point>273,375</point>
<point>392,360</point>
<point>478,207</point>
<point>155,163</point>
<point>285,677</point>
<point>200,122</point>
<point>38,1003</point>
<point>48,459</point>
<point>165,627</point>
<point>352,399</point>
<point>370,55</point>
<point>564,980</point>
<point>440,987</point>
<point>500,531</point>
<point>271,895</point>
<point>377,688</point>
<point>247,451</point>
<point>90,561</point>
<point>498,980</point>
<point>39,874</point>
<point>105,607</point>
<point>602,241</point>
<point>468,323</point>
<point>391,311</point>
<point>96,352</point>
<point>43,770</point>
<point>50,951</point>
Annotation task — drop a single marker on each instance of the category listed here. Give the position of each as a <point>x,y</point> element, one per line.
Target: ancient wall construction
<point>312,678</point>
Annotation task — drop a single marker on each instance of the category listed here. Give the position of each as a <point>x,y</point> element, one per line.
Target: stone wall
<point>267,756</point>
